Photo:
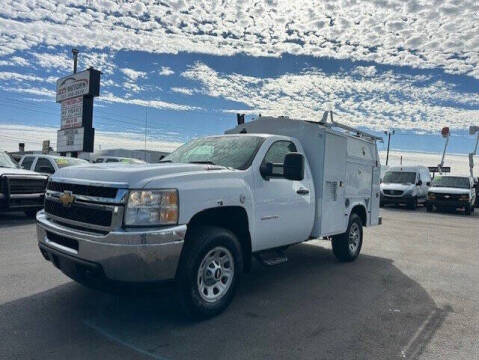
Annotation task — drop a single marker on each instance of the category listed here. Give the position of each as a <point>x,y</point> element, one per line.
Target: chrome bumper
<point>133,256</point>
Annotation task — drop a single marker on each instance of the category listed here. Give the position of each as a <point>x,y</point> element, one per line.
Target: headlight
<point>152,207</point>
<point>464,197</point>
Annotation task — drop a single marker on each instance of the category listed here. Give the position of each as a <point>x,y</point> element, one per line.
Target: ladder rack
<point>347,128</point>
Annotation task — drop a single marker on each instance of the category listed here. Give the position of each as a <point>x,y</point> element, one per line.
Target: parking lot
<point>412,294</point>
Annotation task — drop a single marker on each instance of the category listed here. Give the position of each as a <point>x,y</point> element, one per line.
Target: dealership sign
<point>72,113</point>
<point>79,139</point>
<point>75,94</point>
<point>85,83</point>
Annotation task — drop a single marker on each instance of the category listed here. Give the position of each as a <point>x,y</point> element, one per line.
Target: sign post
<point>75,94</point>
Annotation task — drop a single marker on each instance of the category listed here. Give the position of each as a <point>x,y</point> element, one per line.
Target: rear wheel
<point>347,246</point>
<point>208,273</point>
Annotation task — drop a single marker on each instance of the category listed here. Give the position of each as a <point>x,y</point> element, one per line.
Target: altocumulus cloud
<point>421,34</point>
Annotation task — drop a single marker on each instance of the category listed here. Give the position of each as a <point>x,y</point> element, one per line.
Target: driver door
<point>284,211</point>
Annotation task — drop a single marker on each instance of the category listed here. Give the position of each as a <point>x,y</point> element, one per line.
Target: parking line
<point>121,342</point>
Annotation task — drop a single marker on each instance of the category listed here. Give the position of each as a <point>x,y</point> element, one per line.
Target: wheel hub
<point>215,274</point>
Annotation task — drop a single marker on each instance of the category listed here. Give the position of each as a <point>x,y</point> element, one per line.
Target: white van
<point>406,185</point>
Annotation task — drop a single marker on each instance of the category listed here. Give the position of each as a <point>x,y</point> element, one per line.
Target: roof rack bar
<point>324,121</point>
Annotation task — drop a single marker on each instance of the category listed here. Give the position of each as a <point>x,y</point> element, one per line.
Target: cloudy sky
<point>185,69</point>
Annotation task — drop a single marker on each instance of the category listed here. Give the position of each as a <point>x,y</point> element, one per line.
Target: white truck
<point>214,203</point>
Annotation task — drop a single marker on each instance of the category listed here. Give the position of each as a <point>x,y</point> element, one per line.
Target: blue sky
<point>189,67</point>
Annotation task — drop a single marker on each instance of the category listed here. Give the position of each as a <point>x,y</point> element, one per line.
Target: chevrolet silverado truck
<point>201,215</point>
<point>20,190</point>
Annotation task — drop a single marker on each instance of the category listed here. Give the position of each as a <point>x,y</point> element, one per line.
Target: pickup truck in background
<point>20,190</point>
<point>451,193</point>
<point>202,214</point>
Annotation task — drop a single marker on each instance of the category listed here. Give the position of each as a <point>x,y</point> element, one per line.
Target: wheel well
<point>233,218</point>
<point>361,212</point>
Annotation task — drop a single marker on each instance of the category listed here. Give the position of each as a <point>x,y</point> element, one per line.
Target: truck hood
<point>128,175</point>
<point>449,190</point>
<point>401,187</point>
<point>16,171</point>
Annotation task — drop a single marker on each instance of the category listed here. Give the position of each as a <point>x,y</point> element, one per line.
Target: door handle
<point>302,191</point>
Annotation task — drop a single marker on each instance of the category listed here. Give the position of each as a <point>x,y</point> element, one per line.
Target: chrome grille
<point>393,192</point>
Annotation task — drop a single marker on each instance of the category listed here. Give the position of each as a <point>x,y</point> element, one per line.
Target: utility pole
<point>388,133</point>
<point>146,129</point>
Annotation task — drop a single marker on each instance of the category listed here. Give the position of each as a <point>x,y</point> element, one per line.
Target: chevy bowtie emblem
<point>67,198</point>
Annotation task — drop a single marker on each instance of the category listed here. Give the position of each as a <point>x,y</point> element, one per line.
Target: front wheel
<point>347,246</point>
<point>467,210</point>
<point>413,203</point>
<point>428,207</point>
<point>208,273</point>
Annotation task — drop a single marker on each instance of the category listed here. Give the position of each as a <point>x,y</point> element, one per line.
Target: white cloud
<point>32,136</point>
<point>156,104</point>
<point>14,61</point>
<point>415,33</point>
<point>378,102</point>
<point>165,71</point>
<point>133,75</point>
<point>184,91</point>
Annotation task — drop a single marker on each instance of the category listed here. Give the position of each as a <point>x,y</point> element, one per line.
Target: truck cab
<point>202,214</point>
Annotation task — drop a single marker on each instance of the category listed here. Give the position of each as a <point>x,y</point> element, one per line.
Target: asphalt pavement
<point>412,294</point>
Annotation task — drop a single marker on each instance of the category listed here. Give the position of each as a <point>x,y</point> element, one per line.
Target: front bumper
<point>448,204</point>
<point>19,202</point>
<point>127,256</point>
<point>401,199</point>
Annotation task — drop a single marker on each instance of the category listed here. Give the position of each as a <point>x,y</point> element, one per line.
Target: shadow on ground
<point>11,219</point>
<point>309,308</point>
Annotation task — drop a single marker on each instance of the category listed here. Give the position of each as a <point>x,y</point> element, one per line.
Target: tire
<point>346,246</point>
<point>428,208</point>
<point>31,213</point>
<point>381,204</point>
<point>202,282</point>
<point>467,210</point>
<point>412,203</point>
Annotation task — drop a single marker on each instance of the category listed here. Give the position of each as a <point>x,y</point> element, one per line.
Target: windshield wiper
<point>202,162</point>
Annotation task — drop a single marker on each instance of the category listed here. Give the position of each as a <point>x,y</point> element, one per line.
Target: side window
<point>112,160</point>
<point>99,160</point>
<point>276,155</point>
<point>27,162</point>
<point>44,166</point>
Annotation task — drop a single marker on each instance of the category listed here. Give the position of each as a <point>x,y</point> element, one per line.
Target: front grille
<point>26,186</point>
<point>447,197</point>
<point>86,190</point>
<point>62,240</point>
<point>393,192</point>
<point>79,212</point>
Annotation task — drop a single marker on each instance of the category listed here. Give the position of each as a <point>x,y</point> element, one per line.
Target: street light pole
<point>388,133</point>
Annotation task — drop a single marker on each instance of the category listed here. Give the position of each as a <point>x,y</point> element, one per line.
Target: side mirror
<point>428,183</point>
<point>419,183</point>
<point>294,166</point>
<point>266,170</point>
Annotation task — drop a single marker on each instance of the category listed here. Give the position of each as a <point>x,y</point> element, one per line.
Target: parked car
<point>452,192</point>
<point>406,185</point>
<point>20,190</point>
<point>48,164</point>
<point>116,159</point>
<point>214,203</point>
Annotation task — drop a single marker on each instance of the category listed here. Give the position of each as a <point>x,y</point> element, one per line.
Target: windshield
<point>451,181</point>
<point>6,161</point>
<point>399,177</point>
<point>64,162</point>
<point>230,151</point>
